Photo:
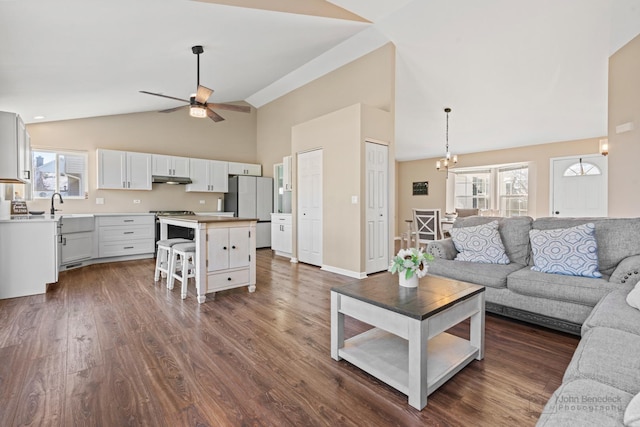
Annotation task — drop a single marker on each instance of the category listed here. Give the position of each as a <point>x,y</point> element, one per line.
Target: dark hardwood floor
<point>107,346</point>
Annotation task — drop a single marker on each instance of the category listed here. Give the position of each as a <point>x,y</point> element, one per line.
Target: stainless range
<point>172,230</point>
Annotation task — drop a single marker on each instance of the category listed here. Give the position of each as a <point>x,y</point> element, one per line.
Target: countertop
<point>200,219</point>
<point>56,217</point>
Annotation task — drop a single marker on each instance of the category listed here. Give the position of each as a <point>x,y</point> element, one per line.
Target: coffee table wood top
<point>433,294</point>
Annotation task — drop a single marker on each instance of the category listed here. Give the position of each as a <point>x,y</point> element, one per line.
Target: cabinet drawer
<point>227,279</point>
<point>126,233</point>
<point>126,220</point>
<point>281,219</point>
<point>137,247</point>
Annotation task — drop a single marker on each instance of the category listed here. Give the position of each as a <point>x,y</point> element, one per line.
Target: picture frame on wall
<point>421,188</point>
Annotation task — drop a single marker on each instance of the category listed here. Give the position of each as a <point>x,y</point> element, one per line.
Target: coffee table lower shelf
<point>386,357</point>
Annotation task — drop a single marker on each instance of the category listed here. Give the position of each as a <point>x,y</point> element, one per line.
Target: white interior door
<point>579,186</point>
<point>377,207</point>
<point>310,207</point>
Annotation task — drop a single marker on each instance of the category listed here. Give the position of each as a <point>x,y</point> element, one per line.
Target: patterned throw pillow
<point>480,243</point>
<point>571,251</point>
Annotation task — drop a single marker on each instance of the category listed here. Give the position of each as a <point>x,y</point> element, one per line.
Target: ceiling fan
<point>198,105</point>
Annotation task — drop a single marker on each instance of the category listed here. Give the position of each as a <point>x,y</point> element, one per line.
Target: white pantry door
<point>579,186</point>
<point>377,207</point>
<point>310,207</point>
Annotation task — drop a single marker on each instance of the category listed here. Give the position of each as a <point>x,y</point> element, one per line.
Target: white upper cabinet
<point>123,170</point>
<point>170,166</point>
<point>244,169</point>
<point>208,176</point>
<point>15,161</point>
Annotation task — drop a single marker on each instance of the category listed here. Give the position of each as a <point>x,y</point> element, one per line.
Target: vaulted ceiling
<point>514,72</point>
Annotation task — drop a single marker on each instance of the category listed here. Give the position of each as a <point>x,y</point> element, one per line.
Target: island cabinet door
<point>228,248</point>
<point>239,247</point>
<point>218,249</point>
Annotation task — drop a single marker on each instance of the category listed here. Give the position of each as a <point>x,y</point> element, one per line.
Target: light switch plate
<point>354,200</point>
<point>99,200</point>
<point>136,201</point>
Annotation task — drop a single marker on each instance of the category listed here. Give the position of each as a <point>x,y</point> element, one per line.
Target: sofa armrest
<point>627,271</point>
<point>442,249</point>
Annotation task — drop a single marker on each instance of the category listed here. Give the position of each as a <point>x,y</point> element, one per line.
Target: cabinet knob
<point>229,278</point>
<point>233,247</point>
<point>224,248</point>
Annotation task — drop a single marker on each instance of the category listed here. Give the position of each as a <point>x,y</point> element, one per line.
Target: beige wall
<point>538,156</point>
<point>357,99</point>
<point>624,148</point>
<point>369,80</point>
<point>342,136</point>
<point>174,134</point>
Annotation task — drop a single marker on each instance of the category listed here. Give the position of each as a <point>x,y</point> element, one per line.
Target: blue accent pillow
<point>571,251</point>
<point>480,243</point>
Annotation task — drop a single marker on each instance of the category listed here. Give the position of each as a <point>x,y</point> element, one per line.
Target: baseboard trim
<point>343,272</point>
<point>535,318</point>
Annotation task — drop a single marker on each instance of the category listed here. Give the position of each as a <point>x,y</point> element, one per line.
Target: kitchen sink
<point>75,223</point>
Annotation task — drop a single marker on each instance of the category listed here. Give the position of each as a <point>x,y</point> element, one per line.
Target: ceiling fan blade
<point>171,110</point>
<point>203,94</point>
<point>230,107</point>
<point>214,116</point>
<point>164,96</point>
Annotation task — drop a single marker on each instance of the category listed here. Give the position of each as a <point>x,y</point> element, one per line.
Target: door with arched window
<point>579,186</point>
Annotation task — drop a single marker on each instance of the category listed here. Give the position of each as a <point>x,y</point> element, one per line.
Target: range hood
<point>164,179</point>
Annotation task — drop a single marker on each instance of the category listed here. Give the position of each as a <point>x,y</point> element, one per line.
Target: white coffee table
<point>408,348</point>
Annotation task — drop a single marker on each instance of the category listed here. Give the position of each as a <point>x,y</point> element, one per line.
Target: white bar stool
<point>163,256</point>
<point>187,254</point>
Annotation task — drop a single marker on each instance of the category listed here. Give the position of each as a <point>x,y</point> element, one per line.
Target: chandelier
<point>448,160</point>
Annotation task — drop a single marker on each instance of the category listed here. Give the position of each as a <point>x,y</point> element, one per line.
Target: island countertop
<point>202,219</point>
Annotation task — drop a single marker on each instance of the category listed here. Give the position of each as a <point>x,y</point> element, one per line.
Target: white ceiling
<point>514,72</point>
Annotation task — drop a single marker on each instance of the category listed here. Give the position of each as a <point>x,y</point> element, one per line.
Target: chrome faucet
<point>53,196</point>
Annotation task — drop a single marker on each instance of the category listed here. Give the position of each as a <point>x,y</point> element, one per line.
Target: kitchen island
<point>225,251</point>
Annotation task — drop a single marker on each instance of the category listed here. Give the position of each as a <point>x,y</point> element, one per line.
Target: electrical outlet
<point>202,202</point>
<point>99,200</point>
<point>354,200</point>
<point>136,201</point>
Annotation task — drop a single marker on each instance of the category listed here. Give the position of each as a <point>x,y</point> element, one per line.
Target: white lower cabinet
<point>124,235</point>
<point>281,235</point>
<point>76,247</point>
<point>228,254</point>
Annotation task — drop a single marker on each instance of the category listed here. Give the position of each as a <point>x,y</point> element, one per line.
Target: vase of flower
<point>411,282</point>
<point>411,265</point>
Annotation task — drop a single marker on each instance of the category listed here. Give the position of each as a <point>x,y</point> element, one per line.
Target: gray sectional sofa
<point>552,300</point>
<point>604,374</point>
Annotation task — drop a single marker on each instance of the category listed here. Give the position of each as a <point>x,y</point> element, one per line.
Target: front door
<point>579,186</point>
<point>310,207</point>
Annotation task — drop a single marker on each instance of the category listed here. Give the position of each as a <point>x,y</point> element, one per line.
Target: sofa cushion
<point>572,251</point>
<point>480,243</point>
<point>513,231</point>
<point>492,275</point>
<point>613,312</point>
<point>609,356</point>
<point>585,403</point>
<point>617,238</point>
<point>580,290</point>
<point>632,413</point>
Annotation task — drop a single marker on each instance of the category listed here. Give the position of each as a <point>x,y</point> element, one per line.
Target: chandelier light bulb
<point>438,165</point>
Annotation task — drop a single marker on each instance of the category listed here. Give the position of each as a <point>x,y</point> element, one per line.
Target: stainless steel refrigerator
<point>252,197</point>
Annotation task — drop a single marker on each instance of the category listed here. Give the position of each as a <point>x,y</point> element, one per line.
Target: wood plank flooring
<point>107,346</point>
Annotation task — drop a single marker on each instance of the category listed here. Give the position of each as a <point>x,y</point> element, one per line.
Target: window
<point>59,172</point>
<point>581,169</point>
<point>504,189</point>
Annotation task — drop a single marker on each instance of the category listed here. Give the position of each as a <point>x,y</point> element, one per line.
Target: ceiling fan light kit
<point>198,105</point>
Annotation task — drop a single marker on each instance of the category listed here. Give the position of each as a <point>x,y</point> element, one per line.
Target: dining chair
<point>427,225</point>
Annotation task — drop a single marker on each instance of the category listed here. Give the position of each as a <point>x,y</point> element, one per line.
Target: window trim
<point>58,152</point>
